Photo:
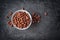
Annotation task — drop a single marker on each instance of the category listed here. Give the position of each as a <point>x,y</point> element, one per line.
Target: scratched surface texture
<point>47,29</point>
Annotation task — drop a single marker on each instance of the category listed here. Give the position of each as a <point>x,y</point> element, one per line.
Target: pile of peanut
<point>36,18</point>
<point>21,19</point>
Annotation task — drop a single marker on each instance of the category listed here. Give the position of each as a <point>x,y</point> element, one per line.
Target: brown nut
<point>21,19</point>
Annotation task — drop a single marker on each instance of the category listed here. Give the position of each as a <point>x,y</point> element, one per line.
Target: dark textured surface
<point>47,29</point>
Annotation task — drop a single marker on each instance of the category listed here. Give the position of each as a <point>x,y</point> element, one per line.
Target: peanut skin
<point>21,19</point>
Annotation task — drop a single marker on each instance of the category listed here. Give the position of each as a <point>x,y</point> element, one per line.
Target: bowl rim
<point>21,11</point>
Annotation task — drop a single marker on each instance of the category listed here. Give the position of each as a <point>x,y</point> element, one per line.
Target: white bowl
<point>21,11</point>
